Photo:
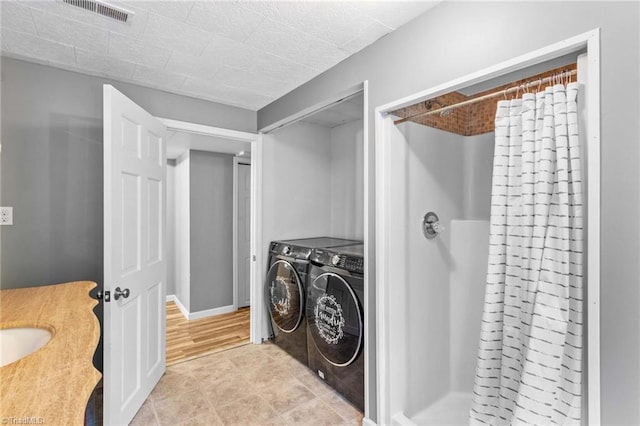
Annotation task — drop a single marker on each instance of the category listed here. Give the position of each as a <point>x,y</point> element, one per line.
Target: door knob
<point>118,293</point>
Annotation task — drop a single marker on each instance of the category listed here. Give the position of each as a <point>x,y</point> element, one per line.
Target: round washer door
<point>284,293</point>
<point>334,319</point>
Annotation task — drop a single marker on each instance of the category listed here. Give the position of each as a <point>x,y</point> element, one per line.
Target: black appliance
<point>335,327</point>
<point>285,290</point>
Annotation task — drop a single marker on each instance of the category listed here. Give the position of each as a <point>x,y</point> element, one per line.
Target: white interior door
<point>134,255</point>
<point>244,234</point>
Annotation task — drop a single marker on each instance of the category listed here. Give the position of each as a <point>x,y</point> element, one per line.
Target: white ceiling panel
<point>26,45</point>
<point>225,19</point>
<point>171,34</point>
<point>174,9</point>
<point>159,79</point>
<point>207,88</point>
<point>17,16</point>
<point>232,53</point>
<point>251,81</point>
<point>193,65</point>
<point>104,65</point>
<point>334,22</point>
<point>393,14</point>
<point>213,90</point>
<point>282,69</point>
<point>74,33</point>
<point>241,52</point>
<point>126,48</point>
<point>289,12</point>
<point>283,40</point>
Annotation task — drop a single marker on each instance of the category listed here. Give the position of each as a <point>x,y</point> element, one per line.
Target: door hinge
<point>104,295</point>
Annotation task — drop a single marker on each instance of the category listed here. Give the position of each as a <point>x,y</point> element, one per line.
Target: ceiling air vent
<point>102,8</point>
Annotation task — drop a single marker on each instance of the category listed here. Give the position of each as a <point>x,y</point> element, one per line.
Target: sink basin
<point>16,343</point>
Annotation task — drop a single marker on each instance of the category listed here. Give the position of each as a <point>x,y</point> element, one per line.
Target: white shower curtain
<point>529,368</point>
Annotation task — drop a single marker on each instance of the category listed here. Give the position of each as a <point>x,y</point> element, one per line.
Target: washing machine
<point>285,290</point>
<point>335,321</point>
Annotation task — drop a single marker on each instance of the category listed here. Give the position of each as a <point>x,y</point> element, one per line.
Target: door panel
<point>154,212</point>
<point>130,223</point>
<point>134,258</point>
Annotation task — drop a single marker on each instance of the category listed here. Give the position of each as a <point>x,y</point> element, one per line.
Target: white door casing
<point>244,222</point>
<point>259,321</point>
<point>134,255</point>
<point>390,401</point>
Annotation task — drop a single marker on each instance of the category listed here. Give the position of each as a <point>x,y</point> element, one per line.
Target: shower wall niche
<point>439,282</point>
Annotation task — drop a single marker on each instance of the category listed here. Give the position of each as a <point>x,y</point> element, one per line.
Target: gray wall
<point>51,165</point>
<point>211,202</point>
<point>51,169</point>
<point>295,157</point>
<point>347,180</point>
<point>457,38</point>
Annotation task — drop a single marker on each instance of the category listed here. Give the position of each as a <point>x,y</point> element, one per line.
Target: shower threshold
<point>450,410</point>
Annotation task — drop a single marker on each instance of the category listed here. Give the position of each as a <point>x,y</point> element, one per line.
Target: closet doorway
<point>209,238</point>
<point>432,155</point>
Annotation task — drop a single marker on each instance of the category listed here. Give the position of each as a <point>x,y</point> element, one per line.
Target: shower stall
<point>433,216</point>
<point>438,283</point>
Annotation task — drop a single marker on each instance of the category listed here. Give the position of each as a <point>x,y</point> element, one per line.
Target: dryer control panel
<point>290,250</point>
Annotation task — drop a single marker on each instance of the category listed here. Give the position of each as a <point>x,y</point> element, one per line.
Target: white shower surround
<point>394,365</point>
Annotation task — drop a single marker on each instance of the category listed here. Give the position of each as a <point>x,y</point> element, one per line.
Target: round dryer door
<point>334,319</point>
<point>284,293</point>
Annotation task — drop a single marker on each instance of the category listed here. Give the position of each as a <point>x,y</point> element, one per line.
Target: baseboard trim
<point>200,314</point>
<point>368,422</point>
<point>211,312</point>
<point>183,310</point>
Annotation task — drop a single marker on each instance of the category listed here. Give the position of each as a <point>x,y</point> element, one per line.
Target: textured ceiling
<point>244,53</point>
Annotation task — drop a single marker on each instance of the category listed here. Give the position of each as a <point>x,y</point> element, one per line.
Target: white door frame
<point>385,215</point>
<point>236,162</point>
<point>257,320</point>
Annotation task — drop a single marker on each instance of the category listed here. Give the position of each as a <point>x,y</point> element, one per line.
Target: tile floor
<point>249,385</point>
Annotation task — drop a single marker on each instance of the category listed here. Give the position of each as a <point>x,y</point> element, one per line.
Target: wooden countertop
<point>54,383</point>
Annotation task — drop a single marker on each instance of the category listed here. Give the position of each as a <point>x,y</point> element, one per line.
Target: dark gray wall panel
<point>52,167</point>
<point>211,195</point>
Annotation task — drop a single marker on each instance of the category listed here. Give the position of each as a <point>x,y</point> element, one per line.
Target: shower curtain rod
<point>505,92</point>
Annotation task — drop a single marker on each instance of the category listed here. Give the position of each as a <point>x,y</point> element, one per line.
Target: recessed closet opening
<point>208,244</point>
<point>484,246</point>
<point>319,158</point>
<point>314,238</point>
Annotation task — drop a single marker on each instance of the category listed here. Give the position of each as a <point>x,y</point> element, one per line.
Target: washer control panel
<point>347,262</point>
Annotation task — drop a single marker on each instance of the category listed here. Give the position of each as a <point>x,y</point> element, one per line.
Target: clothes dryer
<point>285,290</point>
<point>335,321</point>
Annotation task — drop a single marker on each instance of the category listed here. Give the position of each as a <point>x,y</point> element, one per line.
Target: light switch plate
<point>6,215</point>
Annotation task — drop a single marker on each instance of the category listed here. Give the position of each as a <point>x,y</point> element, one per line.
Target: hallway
<point>192,339</point>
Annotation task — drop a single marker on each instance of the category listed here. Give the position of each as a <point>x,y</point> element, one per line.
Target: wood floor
<point>192,339</point>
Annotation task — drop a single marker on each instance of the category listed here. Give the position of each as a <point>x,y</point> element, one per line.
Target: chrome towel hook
<point>431,226</point>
